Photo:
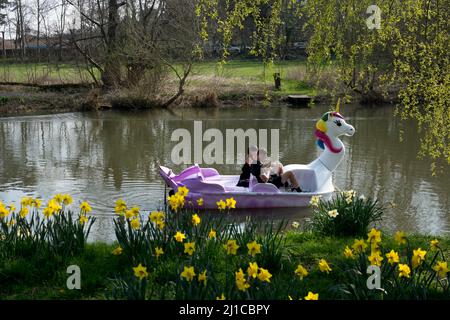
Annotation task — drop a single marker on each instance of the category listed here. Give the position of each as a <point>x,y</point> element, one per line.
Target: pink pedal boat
<point>315,178</point>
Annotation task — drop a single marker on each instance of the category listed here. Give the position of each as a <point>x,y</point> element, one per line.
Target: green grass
<point>245,73</point>
<point>43,73</point>
<point>238,77</point>
<point>25,279</point>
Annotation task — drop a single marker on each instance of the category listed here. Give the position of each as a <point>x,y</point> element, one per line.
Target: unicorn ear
<point>338,105</point>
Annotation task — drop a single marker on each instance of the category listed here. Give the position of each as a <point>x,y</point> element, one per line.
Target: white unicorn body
<point>317,175</point>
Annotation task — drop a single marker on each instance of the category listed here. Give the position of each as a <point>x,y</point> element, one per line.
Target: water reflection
<point>101,157</point>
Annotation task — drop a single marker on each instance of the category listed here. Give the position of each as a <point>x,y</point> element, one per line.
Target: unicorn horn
<point>338,105</point>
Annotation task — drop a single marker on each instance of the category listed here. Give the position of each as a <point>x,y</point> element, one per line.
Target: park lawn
<point>24,279</point>
<point>236,77</point>
<point>254,75</point>
<point>43,73</point>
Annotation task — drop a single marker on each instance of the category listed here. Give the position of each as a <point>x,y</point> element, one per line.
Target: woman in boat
<point>252,155</point>
<point>267,172</point>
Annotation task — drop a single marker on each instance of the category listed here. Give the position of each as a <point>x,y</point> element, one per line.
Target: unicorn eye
<point>338,123</point>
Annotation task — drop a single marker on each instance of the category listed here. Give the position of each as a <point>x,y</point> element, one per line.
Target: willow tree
<point>406,56</point>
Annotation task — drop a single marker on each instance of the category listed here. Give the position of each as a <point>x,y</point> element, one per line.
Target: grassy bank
<point>237,83</point>
<point>180,254</point>
<point>24,279</point>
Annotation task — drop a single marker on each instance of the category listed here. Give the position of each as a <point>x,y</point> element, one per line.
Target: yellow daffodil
<point>83,219</point>
<point>200,202</point>
<point>202,277</point>
<point>312,296</point>
<point>323,266</point>
<point>301,272</point>
<point>221,205</point>
<point>253,248</point>
<point>135,211</point>
<point>188,273</point>
<point>252,270</point>
<point>140,272</point>
<point>58,198</point>
<point>393,257</point>
<point>239,274</point>
<point>212,234</point>
<point>183,191</point>
<point>23,212</point>
<point>48,212</point>
<point>374,236</point>
<point>241,282</point>
<point>348,253</point>
<point>179,236</point>
<point>264,275</point>
<point>67,199</point>
<point>442,269</point>
<point>400,238</point>
<point>160,224</point>
<point>359,245</point>
<point>196,219</point>
<point>158,252</point>
<point>404,271</point>
<point>129,214</point>
<point>54,206</point>
<point>434,245</point>
<point>135,223</point>
<point>26,202</point>
<point>418,257</point>
<point>231,247</point>
<point>189,248</point>
<point>176,202</point>
<point>333,213</point>
<point>85,207</point>
<point>37,203</point>
<point>117,251</point>
<point>157,216</point>
<point>314,202</point>
<point>12,208</point>
<point>120,207</point>
<point>222,297</point>
<point>231,203</point>
<point>4,213</point>
<point>375,258</point>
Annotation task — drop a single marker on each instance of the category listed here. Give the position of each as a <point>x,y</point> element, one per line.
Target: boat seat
<point>255,186</point>
<point>310,179</point>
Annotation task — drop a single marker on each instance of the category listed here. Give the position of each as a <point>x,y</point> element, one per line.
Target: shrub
<point>344,215</point>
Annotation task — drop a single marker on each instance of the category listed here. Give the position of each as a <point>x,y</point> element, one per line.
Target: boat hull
<point>207,184</point>
<point>255,200</point>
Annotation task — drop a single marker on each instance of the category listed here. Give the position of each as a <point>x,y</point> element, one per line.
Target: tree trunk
<point>111,74</point>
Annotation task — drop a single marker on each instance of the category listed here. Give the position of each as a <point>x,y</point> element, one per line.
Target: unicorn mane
<point>322,138</point>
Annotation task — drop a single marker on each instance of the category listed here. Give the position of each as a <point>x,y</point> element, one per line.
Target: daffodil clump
<point>194,251</point>
<point>345,214</point>
<point>405,271</point>
<point>45,228</point>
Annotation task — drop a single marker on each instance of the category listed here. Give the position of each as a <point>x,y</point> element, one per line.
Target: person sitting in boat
<point>267,172</point>
<point>251,157</point>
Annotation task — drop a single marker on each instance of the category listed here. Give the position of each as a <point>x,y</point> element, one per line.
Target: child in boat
<point>244,178</point>
<point>267,172</point>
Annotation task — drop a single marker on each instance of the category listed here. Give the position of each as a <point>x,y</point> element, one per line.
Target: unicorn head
<point>331,126</point>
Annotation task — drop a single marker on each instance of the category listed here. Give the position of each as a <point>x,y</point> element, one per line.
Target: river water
<point>100,157</point>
